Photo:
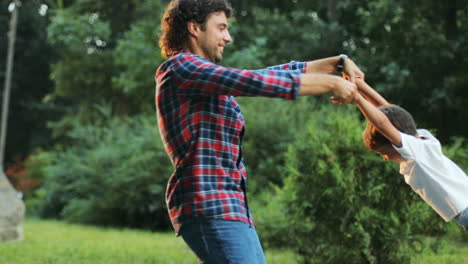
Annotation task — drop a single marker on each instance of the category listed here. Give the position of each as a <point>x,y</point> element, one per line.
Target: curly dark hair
<point>401,120</point>
<point>174,33</point>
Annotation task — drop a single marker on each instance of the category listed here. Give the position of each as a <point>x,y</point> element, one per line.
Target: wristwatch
<point>340,65</point>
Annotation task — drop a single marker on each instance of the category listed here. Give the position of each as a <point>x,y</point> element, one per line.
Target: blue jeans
<point>463,219</point>
<point>223,242</point>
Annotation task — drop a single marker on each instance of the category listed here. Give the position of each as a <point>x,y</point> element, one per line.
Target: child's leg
<point>463,219</point>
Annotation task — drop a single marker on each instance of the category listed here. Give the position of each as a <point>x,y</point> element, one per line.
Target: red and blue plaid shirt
<point>202,126</point>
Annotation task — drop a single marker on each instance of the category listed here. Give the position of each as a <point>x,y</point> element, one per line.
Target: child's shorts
<point>463,219</point>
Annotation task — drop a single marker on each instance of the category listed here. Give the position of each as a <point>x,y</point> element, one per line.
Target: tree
<point>106,55</point>
<point>11,208</point>
<point>30,82</point>
<point>414,52</point>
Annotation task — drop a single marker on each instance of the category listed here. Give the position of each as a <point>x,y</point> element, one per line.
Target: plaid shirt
<point>201,126</point>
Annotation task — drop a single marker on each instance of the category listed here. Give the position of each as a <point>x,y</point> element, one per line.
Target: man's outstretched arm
<point>329,65</point>
<point>325,65</point>
<point>198,76</point>
<point>319,83</point>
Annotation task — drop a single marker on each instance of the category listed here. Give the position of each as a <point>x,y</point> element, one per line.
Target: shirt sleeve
<point>194,75</point>
<point>409,144</point>
<point>292,66</point>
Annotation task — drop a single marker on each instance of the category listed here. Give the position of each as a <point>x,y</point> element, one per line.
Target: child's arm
<point>379,120</point>
<point>370,94</point>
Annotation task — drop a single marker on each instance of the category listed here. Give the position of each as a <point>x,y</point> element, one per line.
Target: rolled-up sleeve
<point>292,66</point>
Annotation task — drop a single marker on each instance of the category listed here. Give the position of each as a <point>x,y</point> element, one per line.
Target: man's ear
<point>193,28</point>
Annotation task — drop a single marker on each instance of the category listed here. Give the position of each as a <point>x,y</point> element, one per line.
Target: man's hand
<point>344,92</point>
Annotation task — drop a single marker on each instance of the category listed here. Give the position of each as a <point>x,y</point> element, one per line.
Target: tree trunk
<point>451,27</point>
<point>11,206</point>
<point>332,15</point>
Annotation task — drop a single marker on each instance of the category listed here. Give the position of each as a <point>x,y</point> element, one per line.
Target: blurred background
<point>82,141</point>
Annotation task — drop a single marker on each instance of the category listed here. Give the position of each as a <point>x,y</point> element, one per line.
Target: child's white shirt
<point>437,179</point>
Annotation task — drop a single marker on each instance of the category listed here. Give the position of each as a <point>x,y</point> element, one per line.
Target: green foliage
<point>26,128</point>
<point>114,174</point>
<point>395,41</point>
<point>103,59</point>
<point>458,152</point>
<point>81,40</point>
<point>273,37</point>
<point>71,32</point>
<point>137,56</point>
<point>269,125</point>
<point>272,219</point>
<point>412,51</point>
<point>345,205</point>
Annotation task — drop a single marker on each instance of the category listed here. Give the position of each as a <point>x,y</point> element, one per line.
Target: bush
<point>114,173</point>
<point>270,129</point>
<point>342,202</point>
<point>458,152</point>
<point>18,177</point>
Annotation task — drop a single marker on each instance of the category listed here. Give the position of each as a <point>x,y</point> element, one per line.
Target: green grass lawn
<point>51,242</point>
<point>449,250</point>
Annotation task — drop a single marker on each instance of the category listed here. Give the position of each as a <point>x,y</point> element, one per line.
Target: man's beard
<point>215,57</point>
<point>218,59</point>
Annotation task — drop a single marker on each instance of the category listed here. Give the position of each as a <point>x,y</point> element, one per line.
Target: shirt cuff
<point>298,65</point>
<point>296,76</point>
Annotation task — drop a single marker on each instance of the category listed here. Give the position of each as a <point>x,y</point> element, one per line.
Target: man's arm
<point>329,65</point>
<point>326,65</point>
<point>196,76</point>
<point>370,94</point>
<point>319,83</point>
<point>379,120</point>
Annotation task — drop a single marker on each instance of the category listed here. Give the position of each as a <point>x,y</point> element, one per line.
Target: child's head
<point>401,120</point>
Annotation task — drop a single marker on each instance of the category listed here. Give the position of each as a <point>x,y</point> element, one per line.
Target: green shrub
<point>458,152</point>
<point>272,220</point>
<point>343,203</point>
<point>114,173</point>
<point>270,129</point>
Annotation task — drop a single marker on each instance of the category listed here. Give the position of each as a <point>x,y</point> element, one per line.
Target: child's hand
<point>352,71</point>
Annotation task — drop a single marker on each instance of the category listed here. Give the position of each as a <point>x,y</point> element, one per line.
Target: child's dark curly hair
<point>401,120</point>
<point>174,31</point>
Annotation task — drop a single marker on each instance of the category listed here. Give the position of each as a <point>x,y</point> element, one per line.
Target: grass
<point>450,250</point>
<point>54,242</point>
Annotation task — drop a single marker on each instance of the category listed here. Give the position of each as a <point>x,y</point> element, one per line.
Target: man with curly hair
<point>202,125</point>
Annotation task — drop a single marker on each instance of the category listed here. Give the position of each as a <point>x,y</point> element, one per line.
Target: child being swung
<point>391,132</point>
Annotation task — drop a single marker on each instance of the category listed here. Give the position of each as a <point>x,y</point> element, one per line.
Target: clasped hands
<point>346,91</point>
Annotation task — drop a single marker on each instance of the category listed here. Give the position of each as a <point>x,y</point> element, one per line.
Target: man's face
<point>214,37</point>
<point>388,153</point>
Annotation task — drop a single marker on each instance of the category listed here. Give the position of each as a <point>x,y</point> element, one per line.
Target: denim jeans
<point>463,219</point>
<point>223,242</point>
